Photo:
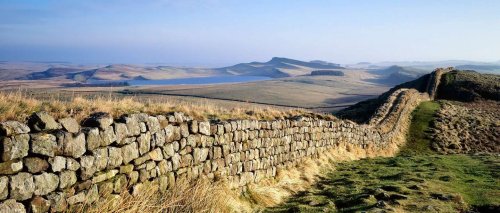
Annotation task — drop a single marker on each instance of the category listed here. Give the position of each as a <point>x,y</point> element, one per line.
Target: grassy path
<point>417,180</point>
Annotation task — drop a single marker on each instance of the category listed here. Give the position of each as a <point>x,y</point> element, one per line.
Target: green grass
<point>418,142</point>
<point>417,180</point>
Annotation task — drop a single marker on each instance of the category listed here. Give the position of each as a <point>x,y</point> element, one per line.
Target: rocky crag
<point>48,165</point>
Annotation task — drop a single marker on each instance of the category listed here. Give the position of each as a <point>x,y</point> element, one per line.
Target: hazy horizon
<point>218,33</point>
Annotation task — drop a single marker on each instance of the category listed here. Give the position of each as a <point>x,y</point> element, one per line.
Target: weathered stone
<point>14,147</point>
<point>92,194</point>
<point>45,183</point>
<point>100,158</point>
<point>11,206</point>
<point>67,179</point>
<point>156,154</point>
<point>184,129</point>
<point>176,161</point>
<point>93,138</point>
<point>21,186</point>
<point>70,125</point>
<point>99,119</point>
<point>153,124</point>
<point>168,150</point>
<point>42,121</point>
<point>105,188</point>
<point>43,144</point>
<point>144,141</point>
<point>72,145</point>
<point>121,132</point>
<point>72,164</point>
<point>126,169</point>
<point>130,152</point>
<point>200,155</point>
<point>204,127</point>
<point>9,128</point>
<point>115,158</point>
<point>11,167</point>
<point>78,198</point>
<point>104,176</point>
<point>133,177</point>
<point>35,164</point>
<point>107,136</point>
<point>120,183</point>
<point>193,126</point>
<point>57,202</point>
<point>39,205</point>
<point>132,125</point>
<point>87,168</point>
<point>57,163</point>
<point>4,187</point>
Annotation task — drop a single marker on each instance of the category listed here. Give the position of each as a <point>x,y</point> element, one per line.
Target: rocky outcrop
<point>49,165</point>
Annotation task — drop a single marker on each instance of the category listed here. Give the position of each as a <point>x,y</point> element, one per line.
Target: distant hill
<point>279,67</point>
<point>394,75</point>
<point>327,72</point>
<point>489,68</point>
<point>275,68</point>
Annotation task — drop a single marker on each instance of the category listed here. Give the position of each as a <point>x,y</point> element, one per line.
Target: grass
<point>18,106</point>
<point>416,180</point>
<point>418,141</point>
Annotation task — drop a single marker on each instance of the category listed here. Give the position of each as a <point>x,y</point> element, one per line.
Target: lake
<point>188,81</point>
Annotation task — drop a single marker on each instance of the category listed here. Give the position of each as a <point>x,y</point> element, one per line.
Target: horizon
<point>220,33</point>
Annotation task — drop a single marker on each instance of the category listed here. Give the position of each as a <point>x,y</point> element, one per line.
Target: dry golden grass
<point>198,196</point>
<point>18,106</point>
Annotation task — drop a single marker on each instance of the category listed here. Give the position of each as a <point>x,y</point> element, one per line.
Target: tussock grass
<point>185,196</point>
<point>18,106</point>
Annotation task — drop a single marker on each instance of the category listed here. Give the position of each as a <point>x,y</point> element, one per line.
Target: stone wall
<point>48,165</point>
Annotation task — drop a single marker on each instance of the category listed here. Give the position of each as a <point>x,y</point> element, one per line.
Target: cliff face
<point>50,165</point>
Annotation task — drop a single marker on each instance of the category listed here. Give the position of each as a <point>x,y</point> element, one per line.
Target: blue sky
<point>224,32</point>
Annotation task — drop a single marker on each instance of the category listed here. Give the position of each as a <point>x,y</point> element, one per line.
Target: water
<point>189,81</point>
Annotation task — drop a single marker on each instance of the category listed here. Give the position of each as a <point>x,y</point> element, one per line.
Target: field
<point>417,180</point>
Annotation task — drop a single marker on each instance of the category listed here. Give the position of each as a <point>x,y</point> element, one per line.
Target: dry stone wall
<point>48,165</point>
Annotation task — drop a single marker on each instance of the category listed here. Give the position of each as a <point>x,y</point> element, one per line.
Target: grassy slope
<point>416,180</point>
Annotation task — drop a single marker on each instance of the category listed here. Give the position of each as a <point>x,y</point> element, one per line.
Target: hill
<point>279,67</point>
<point>394,75</point>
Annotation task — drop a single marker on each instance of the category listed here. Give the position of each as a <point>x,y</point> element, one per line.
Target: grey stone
<point>73,145</point>
<point>144,141</point>
<point>156,154</point>
<point>4,187</point>
<point>200,155</point>
<point>72,164</point>
<point>204,128</point>
<point>11,206</point>
<point>132,125</point>
<point>70,125</point>
<point>39,205</point>
<point>99,119</point>
<point>21,186</point>
<point>153,124</point>
<point>11,167</point>
<point>107,136</point>
<point>57,201</point>
<point>35,164</point>
<point>67,179</point>
<point>43,144</point>
<point>45,183</point>
<point>15,147</point>
<point>57,163</point>
<point>93,138</point>
<point>120,183</point>
<point>9,128</point>
<point>87,167</point>
<point>184,129</point>
<point>193,127</point>
<point>169,133</point>
<point>100,158</point>
<point>115,158</point>
<point>121,132</point>
<point>42,121</point>
<point>130,152</point>
<point>92,194</point>
<point>78,198</point>
<point>104,176</point>
<point>168,150</point>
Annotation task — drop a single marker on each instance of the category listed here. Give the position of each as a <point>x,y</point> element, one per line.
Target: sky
<point>225,32</point>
